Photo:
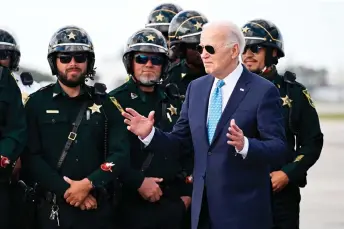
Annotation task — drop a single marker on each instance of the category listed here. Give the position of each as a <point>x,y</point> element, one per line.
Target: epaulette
<point>47,86</point>
<point>173,65</point>
<point>121,88</point>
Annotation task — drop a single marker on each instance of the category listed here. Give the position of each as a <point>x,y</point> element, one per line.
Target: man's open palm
<point>137,123</point>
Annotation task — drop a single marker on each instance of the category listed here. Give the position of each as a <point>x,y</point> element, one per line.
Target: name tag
<point>52,111</point>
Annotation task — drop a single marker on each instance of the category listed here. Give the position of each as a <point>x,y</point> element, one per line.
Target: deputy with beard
<point>264,47</point>
<point>184,36</point>
<point>77,139</point>
<point>156,189</point>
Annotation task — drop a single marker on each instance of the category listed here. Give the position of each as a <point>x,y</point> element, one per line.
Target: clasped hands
<point>150,190</point>
<point>78,194</point>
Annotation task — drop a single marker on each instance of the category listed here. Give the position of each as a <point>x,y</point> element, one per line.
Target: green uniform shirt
<point>180,74</point>
<point>13,129</point>
<point>304,136</point>
<point>50,114</point>
<point>166,164</point>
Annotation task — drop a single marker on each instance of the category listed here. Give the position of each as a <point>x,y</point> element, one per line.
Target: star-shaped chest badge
<point>182,75</point>
<point>150,37</point>
<point>95,108</point>
<point>286,101</point>
<point>159,17</point>
<point>71,35</point>
<point>172,109</point>
<point>198,25</point>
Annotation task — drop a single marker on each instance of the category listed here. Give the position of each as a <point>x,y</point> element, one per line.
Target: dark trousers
<point>22,213</point>
<point>71,217</point>
<point>4,205</point>
<point>286,208</point>
<point>204,218</point>
<point>142,214</point>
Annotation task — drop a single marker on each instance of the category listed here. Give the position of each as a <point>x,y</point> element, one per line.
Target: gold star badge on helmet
<point>245,29</point>
<point>159,17</point>
<point>198,25</point>
<point>150,37</point>
<point>71,35</point>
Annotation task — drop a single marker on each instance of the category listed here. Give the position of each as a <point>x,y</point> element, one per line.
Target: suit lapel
<point>203,101</point>
<point>238,94</point>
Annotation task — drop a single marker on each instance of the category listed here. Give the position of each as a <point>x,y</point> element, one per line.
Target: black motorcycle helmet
<point>264,33</point>
<point>161,16</point>
<point>146,40</point>
<point>9,47</point>
<point>71,39</point>
<point>185,29</point>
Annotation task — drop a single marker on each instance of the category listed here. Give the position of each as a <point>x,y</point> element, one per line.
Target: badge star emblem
<point>71,35</point>
<point>198,25</point>
<point>286,101</point>
<point>245,29</point>
<point>95,108</point>
<point>183,75</point>
<point>159,17</point>
<point>150,37</point>
<point>172,109</point>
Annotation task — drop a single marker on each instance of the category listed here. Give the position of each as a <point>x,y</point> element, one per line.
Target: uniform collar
<point>57,90</point>
<point>135,91</point>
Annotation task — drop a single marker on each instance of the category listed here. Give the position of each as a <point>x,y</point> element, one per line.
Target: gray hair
<point>233,33</point>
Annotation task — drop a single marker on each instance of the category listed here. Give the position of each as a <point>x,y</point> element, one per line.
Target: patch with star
<point>308,96</point>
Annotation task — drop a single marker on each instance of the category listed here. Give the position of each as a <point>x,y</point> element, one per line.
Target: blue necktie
<point>215,109</point>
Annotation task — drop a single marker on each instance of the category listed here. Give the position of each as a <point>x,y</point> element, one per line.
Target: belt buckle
<point>72,136</point>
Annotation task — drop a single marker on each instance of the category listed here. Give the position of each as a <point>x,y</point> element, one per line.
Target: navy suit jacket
<point>238,190</point>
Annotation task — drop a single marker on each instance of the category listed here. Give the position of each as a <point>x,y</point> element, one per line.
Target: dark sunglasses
<point>4,55</point>
<point>254,48</point>
<point>210,49</point>
<point>67,58</point>
<point>143,59</point>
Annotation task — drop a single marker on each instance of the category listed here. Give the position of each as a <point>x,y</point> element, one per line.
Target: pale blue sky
<point>312,30</point>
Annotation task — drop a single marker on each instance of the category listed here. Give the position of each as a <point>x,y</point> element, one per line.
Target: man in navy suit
<point>233,119</point>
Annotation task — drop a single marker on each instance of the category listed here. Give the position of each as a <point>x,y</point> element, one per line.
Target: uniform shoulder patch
<point>309,98</point>
<point>116,103</point>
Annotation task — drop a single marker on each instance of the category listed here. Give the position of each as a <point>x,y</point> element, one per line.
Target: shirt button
<point>209,153</point>
<point>53,120</point>
<point>77,160</point>
<point>165,158</point>
<point>76,141</point>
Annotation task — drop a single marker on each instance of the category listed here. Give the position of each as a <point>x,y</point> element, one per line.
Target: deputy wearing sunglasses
<point>184,35</point>
<point>264,47</point>
<point>13,131</point>
<point>77,140</point>
<point>155,191</point>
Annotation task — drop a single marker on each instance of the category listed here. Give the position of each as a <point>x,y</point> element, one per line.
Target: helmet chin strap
<point>151,83</point>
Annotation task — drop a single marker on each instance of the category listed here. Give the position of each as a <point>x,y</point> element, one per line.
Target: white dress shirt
<point>226,90</point>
